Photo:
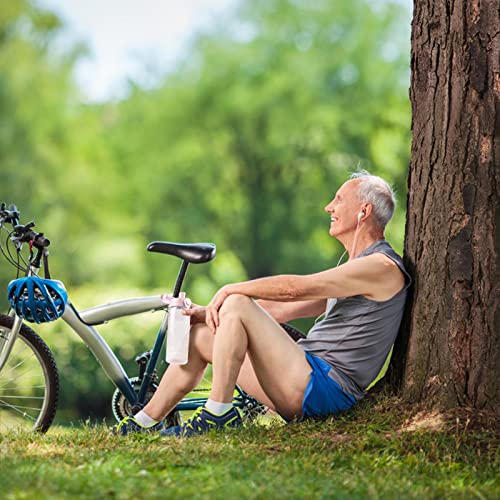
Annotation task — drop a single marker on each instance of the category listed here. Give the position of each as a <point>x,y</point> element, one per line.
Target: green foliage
<point>243,144</point>
<point>54,163</point>
<point>261,130</point>
<point>371,452</point>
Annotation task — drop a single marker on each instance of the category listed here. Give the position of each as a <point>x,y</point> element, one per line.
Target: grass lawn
<point>379,450</point>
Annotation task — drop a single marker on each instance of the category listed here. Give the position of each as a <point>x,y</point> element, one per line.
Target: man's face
<point>344,209</point>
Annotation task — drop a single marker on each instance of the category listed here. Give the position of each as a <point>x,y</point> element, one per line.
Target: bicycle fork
<point>7,340</point>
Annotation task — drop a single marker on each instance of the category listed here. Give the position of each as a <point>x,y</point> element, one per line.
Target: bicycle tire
<point>294,333</point>
<point>37,355</point>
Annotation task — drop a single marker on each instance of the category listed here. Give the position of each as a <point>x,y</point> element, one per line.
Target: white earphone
<point>361,214</point>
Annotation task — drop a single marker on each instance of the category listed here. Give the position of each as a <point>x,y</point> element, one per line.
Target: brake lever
<point>20,230</point>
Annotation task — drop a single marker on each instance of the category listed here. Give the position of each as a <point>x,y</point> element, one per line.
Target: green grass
<point>379,450</point>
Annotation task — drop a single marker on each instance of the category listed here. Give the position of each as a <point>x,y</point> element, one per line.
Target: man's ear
<point>367,209</point>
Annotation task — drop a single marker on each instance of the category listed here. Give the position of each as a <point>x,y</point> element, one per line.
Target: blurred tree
<point>249,139</point>
<point>54,162</point>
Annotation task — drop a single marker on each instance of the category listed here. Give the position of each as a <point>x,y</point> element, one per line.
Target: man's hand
<point>197,313</point>
<point>212,310</point>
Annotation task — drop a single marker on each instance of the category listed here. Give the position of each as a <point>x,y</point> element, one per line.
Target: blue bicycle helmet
<point>36,299</point>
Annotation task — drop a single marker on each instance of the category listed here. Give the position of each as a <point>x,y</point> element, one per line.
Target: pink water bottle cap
<point>180,301</point>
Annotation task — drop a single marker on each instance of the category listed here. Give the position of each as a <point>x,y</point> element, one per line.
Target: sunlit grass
<point>381,450</point>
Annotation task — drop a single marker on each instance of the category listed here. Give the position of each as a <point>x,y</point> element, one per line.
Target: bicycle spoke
<point>18,364</point>
<point>16,408</point>
<point>3,390</point>
<point>21,397</point>
<point>26,374</point>
<point>20,346</point>
<point>19,351</point>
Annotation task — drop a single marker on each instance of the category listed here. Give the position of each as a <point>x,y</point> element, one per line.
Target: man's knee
<point>235,305</point>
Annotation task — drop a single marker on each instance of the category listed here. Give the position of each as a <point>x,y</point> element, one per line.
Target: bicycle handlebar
<point>22,233</point>
<point>26,235</point>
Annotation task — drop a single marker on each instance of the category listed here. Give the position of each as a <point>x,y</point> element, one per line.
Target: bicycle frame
<point>82,323</point>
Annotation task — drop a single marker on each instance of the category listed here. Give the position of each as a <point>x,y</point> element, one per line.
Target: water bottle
<point>177,336</point>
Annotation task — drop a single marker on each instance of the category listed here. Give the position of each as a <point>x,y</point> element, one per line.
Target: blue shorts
<point>323,396</point>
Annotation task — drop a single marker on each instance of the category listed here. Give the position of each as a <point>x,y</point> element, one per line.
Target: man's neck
<point>363,241</point>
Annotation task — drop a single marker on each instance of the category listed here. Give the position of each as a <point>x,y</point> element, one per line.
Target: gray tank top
<point>357,333</point>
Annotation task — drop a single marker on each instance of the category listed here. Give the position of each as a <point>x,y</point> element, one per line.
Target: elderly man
<point>363,302</point>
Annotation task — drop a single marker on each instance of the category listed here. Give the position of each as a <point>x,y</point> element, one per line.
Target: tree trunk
<point>448,351</point>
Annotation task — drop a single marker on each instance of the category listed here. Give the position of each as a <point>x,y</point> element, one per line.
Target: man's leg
<point>271,354</point>
<point>280,366</point>
<point>179,380</point>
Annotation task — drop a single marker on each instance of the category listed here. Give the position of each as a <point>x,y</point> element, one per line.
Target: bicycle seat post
<point>149,372</point>
<point>180,278</point>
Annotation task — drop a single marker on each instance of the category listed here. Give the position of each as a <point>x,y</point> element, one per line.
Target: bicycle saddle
<point>195,253</point>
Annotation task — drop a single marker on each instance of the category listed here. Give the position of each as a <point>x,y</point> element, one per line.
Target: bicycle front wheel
<point>29,382</point>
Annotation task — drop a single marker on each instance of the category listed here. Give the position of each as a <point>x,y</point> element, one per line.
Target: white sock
<point>144,420</point>
<point>217,408</point>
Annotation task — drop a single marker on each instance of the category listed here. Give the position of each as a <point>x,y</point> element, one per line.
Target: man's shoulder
<point>386,275</point>
<point>381,259</point>
<point>378,259</point>
<point>379,264</point>
<point>381,252</point>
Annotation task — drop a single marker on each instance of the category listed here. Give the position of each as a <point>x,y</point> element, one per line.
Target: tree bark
<point>448,351</point>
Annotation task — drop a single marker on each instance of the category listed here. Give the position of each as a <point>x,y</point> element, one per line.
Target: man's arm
<point>282,312</point>
<point>287,311</point>
<point>375,276</point>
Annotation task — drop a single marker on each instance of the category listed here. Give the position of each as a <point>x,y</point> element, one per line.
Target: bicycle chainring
<point>119,404</point>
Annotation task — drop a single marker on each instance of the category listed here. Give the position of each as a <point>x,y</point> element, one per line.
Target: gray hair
<point>373,189</point>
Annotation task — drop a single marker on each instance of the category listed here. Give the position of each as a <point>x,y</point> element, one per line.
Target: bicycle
<point>29,378</point>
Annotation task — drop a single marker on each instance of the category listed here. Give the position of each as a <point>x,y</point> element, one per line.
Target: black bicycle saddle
<point>195,253</point>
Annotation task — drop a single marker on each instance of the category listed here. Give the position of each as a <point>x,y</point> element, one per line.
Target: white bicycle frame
<point>83,322</point>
